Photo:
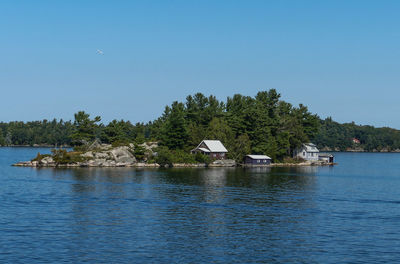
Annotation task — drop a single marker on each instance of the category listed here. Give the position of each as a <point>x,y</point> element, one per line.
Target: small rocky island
<point>145,155</point>
<point>267,130</point>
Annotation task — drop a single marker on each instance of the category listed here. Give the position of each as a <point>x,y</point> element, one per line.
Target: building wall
<point>249,160</point>
<point>326,158</point>
<point>302,153</point>
<point>213,155</point>
<point>217,155</point>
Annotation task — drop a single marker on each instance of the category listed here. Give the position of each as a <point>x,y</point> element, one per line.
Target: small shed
<point>213,148</point>
<point>326,157</point>
<point>257,160</point>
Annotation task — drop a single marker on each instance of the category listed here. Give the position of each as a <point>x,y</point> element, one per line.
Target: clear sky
<point>340,58</point>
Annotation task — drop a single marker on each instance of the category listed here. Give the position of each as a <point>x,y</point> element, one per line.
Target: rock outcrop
<point>223,163</point>
<point>97,155</point>
<point>122,155</point>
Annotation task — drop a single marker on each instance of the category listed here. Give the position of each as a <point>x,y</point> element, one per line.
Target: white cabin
<point>307,151</point>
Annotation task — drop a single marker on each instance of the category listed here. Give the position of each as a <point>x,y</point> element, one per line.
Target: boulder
<point>223,163</point>
<point>122,155</point>
<point>109,163</point>
<point>88,154</point>
<point>46,161</point>
<point>96,162</point>
<point>149,145</point>
<point>146,165</point>
<point>95,145</point>
<point>105,146</point>
<point>101,155</point>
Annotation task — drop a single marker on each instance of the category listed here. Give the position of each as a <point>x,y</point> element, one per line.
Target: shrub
<point>201,158</point>
<point>119,143</point>
<point>61,156</point>
<point>139,152</point>
<point>39,156</point>
<point>293,160</point>
<point>164,156</point>
<point>140,139</point>
<point>180,156</point>
<point>81,148</point>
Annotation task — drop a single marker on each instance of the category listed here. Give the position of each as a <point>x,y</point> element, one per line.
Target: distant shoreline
<point>358,151</point>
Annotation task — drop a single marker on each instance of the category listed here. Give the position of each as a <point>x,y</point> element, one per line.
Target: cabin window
<point>304,154</point>
<point>312,154</point>
<point>258,161</point>
<point>214,155</point>
<point>265,161</point>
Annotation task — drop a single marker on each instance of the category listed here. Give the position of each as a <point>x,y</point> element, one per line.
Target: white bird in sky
<point>100,52</point>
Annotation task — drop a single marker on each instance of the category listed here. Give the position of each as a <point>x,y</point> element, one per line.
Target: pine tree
<point>175,134</point>
<point>85,129</point>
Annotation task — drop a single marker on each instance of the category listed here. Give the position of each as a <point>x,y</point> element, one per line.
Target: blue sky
<point>340,58</point>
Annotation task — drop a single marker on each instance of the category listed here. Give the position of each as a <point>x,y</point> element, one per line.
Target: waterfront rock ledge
<point>101,155</point>
<point>104,155</point>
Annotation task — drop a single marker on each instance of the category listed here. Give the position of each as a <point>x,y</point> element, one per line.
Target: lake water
<point>349,213</point>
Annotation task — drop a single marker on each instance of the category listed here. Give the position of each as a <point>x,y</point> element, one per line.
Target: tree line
<point>336,136</point>
<point>263,124</point>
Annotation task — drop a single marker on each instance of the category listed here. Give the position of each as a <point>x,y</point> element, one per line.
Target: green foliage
<point>39,156</point>
<point>81,148</point>
<point>36,132</point>
<point>85,129</point>
<point>164,156</point>
<point>2,139</point>
<point>175,133</point>
<point>123,132</point>
<point>219,129</point>
<point>181,156</point>
<point>119,143</point>
<point>339,136</point>
<point>201,109</point>
<point>140,139</point>
<point>196,134</point>
<point>201,158</point>
<point>139,152</point>
<point>61,156</point>
<point>115,131</point>
<point>240,148</point>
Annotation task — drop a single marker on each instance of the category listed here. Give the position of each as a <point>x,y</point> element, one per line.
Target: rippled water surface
<point>348,213</point>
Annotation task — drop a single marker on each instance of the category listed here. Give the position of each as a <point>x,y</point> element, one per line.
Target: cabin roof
<point>258,157</point>
<point>310,147</point>
<point>204,149</point>
<point>213,146</point>
<point>325,155</point>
